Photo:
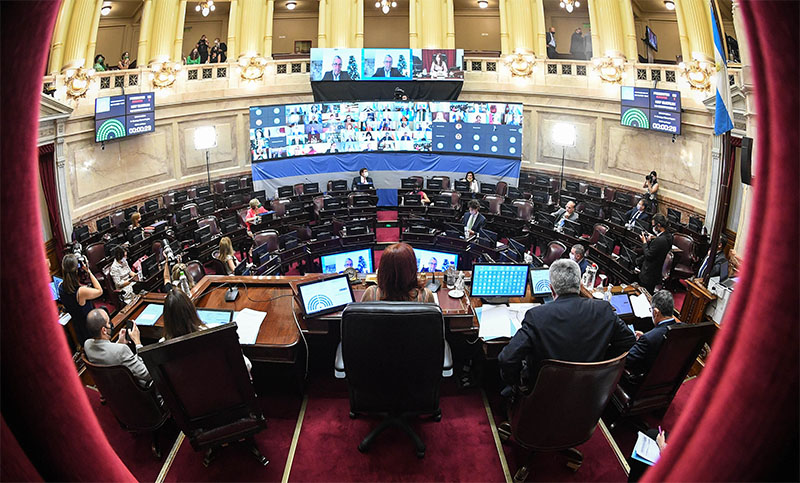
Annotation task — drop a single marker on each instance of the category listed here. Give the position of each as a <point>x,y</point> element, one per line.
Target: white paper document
<point>640,305</point>
<point>495,322</point>
<point>646,450</point>
<point>248,323</point>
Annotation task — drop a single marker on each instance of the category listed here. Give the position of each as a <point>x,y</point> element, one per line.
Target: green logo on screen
<point>110,129</point>
<point>635,118</point>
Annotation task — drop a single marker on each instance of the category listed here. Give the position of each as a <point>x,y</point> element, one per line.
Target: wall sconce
<point>252,67</point>
<point>164,74</point>
<point>78,82</point>
<point>609,68</point>
<point>698,73</point>
<point>520,63</point>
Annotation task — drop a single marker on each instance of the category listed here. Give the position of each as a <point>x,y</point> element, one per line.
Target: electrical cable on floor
<point>305,342</point>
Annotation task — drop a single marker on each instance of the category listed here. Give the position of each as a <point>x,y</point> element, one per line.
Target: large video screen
<point>121,116</point>
<point>360,260</point>
<point>653,109</point>
<point>481,128</point>
<point>386,64</point>
<point>431,261</point>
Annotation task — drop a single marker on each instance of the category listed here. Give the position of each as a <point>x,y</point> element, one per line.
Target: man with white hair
<point>571,328</point>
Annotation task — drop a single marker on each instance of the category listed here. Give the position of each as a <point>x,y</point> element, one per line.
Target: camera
<point>76,250</point>
<point>167,252</point>
<point>648,177</point>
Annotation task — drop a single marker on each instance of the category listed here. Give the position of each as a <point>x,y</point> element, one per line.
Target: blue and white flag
<point>723,111</point>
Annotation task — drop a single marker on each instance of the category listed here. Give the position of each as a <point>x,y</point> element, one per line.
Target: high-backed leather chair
<point>654,391</point>
<point>269,237</point>
<point>445,181</point>
<point>137,409</point>
<point>494,203</point>
<point>337,226</point>
<point>298,189</point>
<point>524,209</point>
<point>94,254</point>
<point>609,193</point>
<point>157,249</point>
<point>196,270</point>
<point>211,223</point>
<point>192,207</point>
<point>501,188</point>
<point>555,249</point>
<point>215,265</point>
<point>303,232</point>
<point>117,218</point>
<point>455,198</point>
<point>319,204</point>
<point>244,182</point>
<point>599,229</point>
<point>563,408</point>
<point>683,267</point>
<point>666,270</point>
<point>192,193</point>
<point>279,207</point>
<point>205,385</point>
<point>393,356</point>
<point>420,181</point>
<point>168,199</point>
<point>330,183</point>
<point>218,187</point>
<point>110,291</point>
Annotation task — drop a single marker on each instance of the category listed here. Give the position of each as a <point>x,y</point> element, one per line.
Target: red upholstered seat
<point>555,250</point>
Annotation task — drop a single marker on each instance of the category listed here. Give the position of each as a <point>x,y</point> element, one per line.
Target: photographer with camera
<point>651,191</point>
<point>77,298</point>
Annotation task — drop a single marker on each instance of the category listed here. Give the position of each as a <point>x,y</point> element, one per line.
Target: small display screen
<point>621,304</point>
<point>540,281</point>
<point>360,260</point>
<point>498,280</point>
<point>431,261</point>
<point>214,317</point>
<point>325,296</point>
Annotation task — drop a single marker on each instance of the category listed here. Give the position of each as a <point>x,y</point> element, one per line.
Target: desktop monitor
<point>412,200</point>
<point>136,236</point>
<point>695,224</point>
<point>509,211</point>
<point>103,224</point>
<point>618,217</point>
<point>285,191</point>
<point>462,185</point>
<point>364,186</point>
<point>572,228</point>
<point>495,282</point>
<point>205,208</point>
<point>260,195</point>
<point>130,210</point>
<point>202,192</point>
<point>434,184</point>
<point>592,209</point>
<point>540,197</point>
<point>489,234</point>
<point>360,260</point>
<point>234,201</point>
<point>572,186</point>
<point>356,229</point>
<point>232,185</point>
<point>228,225</point>
<point>513,193</point>
<point>435,261</point>
<point>150,206</point>
<point>338,185</point>
<point>605,244</point>
<point>540,282</point>
<point>150,266</point>
<point>673,215</point>
<point>444,201</point>
<point>183,216</point>
<point>322,297</point>
<point>322,232</point>
<point>516,246</point>
<point>310,188</point>
<point>332,203</point>
<point>294,208</point>
<point>488,188</point>
<point>241,269</point>
<point>623,198</point>
<point>622,304</point>
<point>260,254</point>
<point>627,257</point>
<point>202,235</point>
<point>408,184</point>
<point>546,219</point>
<point>542,181</point>
<point>594,191</point>
<point>362,201</point>
<point>181,196</point>
<point>510,256</point>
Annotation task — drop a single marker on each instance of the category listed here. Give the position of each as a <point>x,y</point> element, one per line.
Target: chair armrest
<point>447,366</point>
<point>338,363</point>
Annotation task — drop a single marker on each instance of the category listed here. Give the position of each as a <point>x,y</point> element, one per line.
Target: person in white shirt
<point>474,186</point>
<point>122,275</point>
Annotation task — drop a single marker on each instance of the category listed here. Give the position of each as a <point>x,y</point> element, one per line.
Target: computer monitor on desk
<point>540,197</point>
<point>150,206</point>
<point>310,188</point>
<point>409,184</point>
<point>572,228</point>
<point>338,185</point>
<point>623,198</point>
<point>103,223</point>
<point>202,235</point>
<point>332,203</point>
<point>494,283</point>
<point>462,186</point>
<point>488,188</point>
<point>325,296</point>
<point>285,191</point>
<point>202,192</point>
<point>358,260</point>
<point>594,191</point>
<point>434,184</point>
<point>205,208</point>
<point>572,186</point>
<point>617,217</point>
<point>540,282</point>
<point>545,219</point>
<point>364,186</point>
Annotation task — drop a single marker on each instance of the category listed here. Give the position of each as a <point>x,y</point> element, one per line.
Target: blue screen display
<point>499,280</point>
<point>120,116</point>
<point>431,261</point>
<point>653,109</point>
<point>540,281</point>
<point>325,295</point>
<point>360,260</point>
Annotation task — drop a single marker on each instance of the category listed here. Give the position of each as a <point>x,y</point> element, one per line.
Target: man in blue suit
<point>638,212</point>
<point>644,352</point>
<point>387,70</point>
<point>473,221</point>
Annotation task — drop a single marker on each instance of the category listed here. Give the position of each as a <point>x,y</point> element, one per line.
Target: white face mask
<point>366,174</point>
<point>572,257</point>
<point>655,232</point>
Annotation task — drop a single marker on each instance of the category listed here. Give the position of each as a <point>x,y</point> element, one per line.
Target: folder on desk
<point>150,314</point>
<point>500,320</point>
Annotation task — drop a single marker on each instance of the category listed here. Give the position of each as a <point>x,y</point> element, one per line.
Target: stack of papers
<point>640,305</point>
<point>646,450</point>
<point>248,324</point>
<point>500,320</point>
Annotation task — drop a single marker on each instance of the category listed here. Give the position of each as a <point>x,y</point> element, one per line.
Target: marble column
<point>606,18</point>
<point>250,28</point>
<point>177,46</point>
<point>60,36</point>
<point>80,26</point>
<point>233,31</point>
<point>90,49</point>
<point>145,27</point>
<point>62,189</point>
<point>360,24</point>
<point>268,29</point>
<point>163,31</point>
<point>431,23</point>
<point>628,30</point>
<point>450,31</point>
<point>694,28</point>
<point>322,32</point>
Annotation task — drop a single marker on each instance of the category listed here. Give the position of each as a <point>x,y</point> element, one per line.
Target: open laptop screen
<point>325,296</point>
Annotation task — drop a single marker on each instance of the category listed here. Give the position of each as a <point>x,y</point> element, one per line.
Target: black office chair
<point>393,355</point>
<point>204,382</point>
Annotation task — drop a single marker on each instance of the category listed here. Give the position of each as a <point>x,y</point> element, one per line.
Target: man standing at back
<point>570,328</point>
<point>655,247</point>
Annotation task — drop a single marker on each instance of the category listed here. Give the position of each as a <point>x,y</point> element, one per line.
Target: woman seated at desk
<point>135,228</point>
<point>180,318</point>
<point>397,278</point>
<point>474,187</point>
<point>252,213</point>
<point>226,255</point>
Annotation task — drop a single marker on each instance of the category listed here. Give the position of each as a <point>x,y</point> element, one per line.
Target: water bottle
<point>607,293</point>
<point>184,283</point>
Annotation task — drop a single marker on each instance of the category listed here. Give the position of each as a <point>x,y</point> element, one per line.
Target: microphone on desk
<point>434,284</point>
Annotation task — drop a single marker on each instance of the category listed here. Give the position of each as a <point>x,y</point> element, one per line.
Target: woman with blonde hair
<point>172,278</point>
<point>226,255</point>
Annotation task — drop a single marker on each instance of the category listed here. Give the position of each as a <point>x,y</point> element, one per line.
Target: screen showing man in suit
<point>386,70</point>
<point>385,64</point>
<point>336,73</point>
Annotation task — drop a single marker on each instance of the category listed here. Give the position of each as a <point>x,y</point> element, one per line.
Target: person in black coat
<point>577,47</point>
<point>550,41</point>
<point>655,248</point>
<point>638,212</point>
<point>644,352</point>
<point>720,259</point>
<point>571,328</point>
<point>473,221</point>
<point>363,177</point>
<point>202,48</point>
<point>387,70</point>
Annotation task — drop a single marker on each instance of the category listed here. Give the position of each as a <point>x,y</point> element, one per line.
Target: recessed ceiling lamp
<point>569,5</point>
<point>205,7</point>
<point>291,5</point>
<point>483,3</point>
<point>669,5</point>
<point>385,5</point>
<point>105,9</point>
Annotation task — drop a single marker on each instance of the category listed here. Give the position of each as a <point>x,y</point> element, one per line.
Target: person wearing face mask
<point>655,247</point>
<point>363,177</point>
<point>219,52</point>
<point>100,350</point>
<point>639,212</point>
<point>122,275</point>
<point>641,356</point>
<point>577,255</point>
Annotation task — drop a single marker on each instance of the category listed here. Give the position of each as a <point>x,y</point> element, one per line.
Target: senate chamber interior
<point>411,240</point>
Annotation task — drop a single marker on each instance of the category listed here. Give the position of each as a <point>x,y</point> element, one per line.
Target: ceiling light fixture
<point>105,9</point>
<point>205,7</point>
<point>669,5</point>
<point>483,3</point>
<point>385,6</point>
<point>291,5</point>
<point>569,5</point>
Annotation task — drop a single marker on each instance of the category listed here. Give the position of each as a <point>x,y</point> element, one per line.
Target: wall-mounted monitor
<point>653,109</point>
<point>435,261</point>
<point>121,116</point>
<point>650,38</point>
<point>385,64</point>
<point>476,128</point>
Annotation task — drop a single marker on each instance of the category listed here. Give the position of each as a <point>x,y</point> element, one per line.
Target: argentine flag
<point>723,121</point>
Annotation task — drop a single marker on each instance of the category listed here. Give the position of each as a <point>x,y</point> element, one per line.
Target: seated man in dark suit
<point>655,249</point>
<point>336,73</point>
<point>473,221</point>
<point>566,213</point>
<point>643,353</point>
<point>100,349</point>
<point>578,255</point>
<point>571,328</point>
<point>387,70</point>
<point>638,212</point>
<point>363,177</point>
<point>719,260</point>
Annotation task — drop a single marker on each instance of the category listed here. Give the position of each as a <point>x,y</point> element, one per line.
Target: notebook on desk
<point>212,317</point>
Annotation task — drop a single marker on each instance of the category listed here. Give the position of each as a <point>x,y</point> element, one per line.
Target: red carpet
<point>133,449</point>
<point>235,463</point>
<point>383,235</point>
<point>387,215</point>
<point>327,448</point>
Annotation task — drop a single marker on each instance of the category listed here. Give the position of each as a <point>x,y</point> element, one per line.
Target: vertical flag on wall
<point>723,121</point>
